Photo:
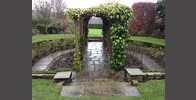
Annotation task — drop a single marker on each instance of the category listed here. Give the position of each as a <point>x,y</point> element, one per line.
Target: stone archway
<point>115,19</point>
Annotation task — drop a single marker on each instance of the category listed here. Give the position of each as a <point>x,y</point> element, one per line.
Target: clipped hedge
<point>95,26</point>
<point>46,47</point>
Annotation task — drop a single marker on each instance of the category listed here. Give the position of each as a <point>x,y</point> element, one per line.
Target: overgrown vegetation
<point>44,89</point>
<point>115,19</point>
<point>47,44</point>
<point>153,51</point>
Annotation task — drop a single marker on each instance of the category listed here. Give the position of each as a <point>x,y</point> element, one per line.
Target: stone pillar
<point>77,53</point>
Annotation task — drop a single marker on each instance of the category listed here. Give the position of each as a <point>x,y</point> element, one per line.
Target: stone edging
<point>43,76</point>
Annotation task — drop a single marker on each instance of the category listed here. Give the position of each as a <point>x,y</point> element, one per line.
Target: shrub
<point>160,9</point>
<point>41,28</point>
<point>143,19</point>
<point>54,28</point>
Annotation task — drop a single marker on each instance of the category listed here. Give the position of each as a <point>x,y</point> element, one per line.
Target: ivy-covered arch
<point>115,19</point>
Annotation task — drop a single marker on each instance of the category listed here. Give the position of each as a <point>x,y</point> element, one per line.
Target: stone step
<point>63,76</point>
<point>122,90</point>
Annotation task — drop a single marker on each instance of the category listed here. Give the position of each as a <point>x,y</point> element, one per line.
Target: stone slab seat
<point>136,74</point>
<point>63,76</point>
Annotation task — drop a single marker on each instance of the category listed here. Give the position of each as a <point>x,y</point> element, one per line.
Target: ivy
<point>115,18</point>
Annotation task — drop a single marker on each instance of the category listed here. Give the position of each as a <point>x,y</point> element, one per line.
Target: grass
<point>149,40</point>
<point>39,38</point>
<point>43,89</point>
<point>98,32</point>
<point>95,32</point>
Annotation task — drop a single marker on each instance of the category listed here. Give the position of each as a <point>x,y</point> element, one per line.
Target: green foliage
<point>54,26</point>
<point>95,26</point>
<point>40,27</point>
<point>34,31</point>
<point>43,47</point>
<point>115,18</point>
<point>77,63</point>
<point>160,9</point>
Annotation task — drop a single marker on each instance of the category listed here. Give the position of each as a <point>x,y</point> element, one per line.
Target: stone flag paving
<point>95,78</point>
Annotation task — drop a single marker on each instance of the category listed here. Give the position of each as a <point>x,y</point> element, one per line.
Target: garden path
<point>96,78</point>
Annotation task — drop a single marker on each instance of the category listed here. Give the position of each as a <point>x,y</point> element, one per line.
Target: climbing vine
<point>115,18</point>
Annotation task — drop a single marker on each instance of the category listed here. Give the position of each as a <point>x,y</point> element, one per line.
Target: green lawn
<point>38,38</point>
<point>44,90</point>
<point>149,40</point>
<point>98,32</point>
<point>95,32</point>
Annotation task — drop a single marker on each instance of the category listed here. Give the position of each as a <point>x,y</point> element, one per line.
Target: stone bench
<point>63,76</point>
<point>135,74</point>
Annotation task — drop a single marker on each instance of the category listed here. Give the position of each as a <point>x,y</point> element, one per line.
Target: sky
<point>90,3</point>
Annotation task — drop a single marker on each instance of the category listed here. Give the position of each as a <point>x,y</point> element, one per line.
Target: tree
<point>59,12</point>
<point>59,8</point>
<point>143,18</point>
<point>160,9</point>
<point>43,11</point>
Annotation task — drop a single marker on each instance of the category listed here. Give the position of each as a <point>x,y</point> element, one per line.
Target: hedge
<point>95,26</point>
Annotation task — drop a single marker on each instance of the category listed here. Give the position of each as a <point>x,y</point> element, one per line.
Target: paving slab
<point>63,75</point>
<point>95,78</point>
<point>135,72</point>
<point>72,91</point>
